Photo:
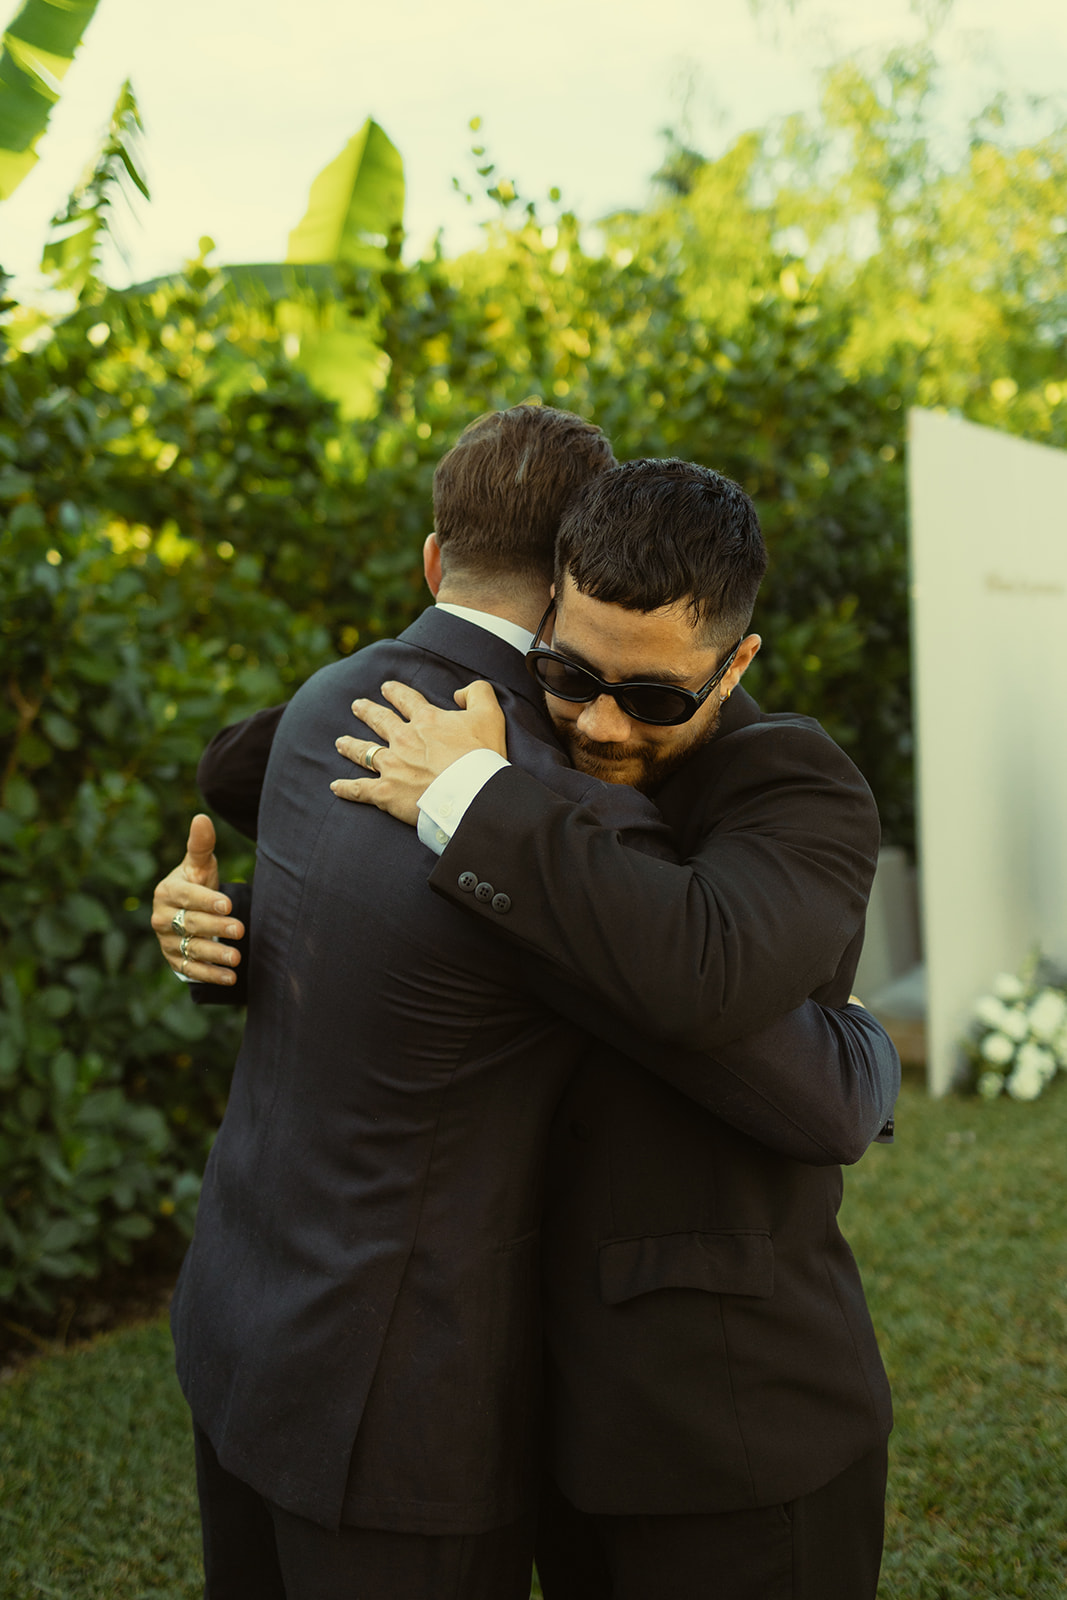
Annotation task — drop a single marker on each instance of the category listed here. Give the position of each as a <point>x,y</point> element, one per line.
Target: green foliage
<point>191,522</point>
<point>754,386</point>
<point>356,205</point>
<point>132,625</point>
<point>38,48</point>
<point>72,254</point>
<point>326,295</point>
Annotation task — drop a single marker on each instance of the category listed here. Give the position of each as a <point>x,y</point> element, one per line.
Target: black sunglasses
<point>661,704</point>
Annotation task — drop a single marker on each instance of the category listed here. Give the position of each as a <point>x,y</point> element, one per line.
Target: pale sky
<point>245,100</point>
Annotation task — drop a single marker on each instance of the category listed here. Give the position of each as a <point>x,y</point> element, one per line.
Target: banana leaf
<point>72,254</point>
<point>38,48</point>
<point>355,209</point>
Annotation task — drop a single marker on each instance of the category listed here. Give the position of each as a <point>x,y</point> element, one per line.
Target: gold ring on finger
<point>186,940</point>
<point>185,963</point>
<point>369,754</point>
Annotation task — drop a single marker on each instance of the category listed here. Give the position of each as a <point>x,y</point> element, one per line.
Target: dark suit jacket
<point>711,1346</point>
<point>814,1084</point>
<point>356,1321</point>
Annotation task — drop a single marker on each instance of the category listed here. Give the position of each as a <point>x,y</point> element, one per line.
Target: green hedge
<point>124,645</point>
<point>187,529</point>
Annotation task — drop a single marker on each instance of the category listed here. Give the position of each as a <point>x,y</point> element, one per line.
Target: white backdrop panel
<point>989,612</point>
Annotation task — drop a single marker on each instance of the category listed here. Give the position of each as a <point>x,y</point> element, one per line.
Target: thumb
<point>200,847</point>
<point>477,696</point>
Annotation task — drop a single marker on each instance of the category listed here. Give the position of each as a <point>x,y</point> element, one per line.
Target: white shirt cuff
<point>444,804</point>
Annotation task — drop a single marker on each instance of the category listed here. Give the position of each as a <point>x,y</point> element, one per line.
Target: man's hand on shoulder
<point>189,913</point>
<point>416,746</point>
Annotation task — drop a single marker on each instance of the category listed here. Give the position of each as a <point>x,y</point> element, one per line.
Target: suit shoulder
<point>784,758</point>
<point>363,672</point>
<point>787,740</point>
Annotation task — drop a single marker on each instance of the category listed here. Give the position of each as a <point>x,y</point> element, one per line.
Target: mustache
<point>609,750</point>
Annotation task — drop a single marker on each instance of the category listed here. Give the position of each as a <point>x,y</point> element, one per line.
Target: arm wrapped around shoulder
<point>782,836</point>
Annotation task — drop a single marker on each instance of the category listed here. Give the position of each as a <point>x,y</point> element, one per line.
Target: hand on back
<point>190,895</point>
<point>416,746</point>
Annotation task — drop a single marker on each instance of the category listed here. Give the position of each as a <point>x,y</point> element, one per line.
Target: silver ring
<point>186,941</point>
<point>177,921</point>
<point>185,963</point>
<point>369,755</point>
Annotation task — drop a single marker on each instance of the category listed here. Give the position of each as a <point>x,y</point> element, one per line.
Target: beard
<point>644,766</point>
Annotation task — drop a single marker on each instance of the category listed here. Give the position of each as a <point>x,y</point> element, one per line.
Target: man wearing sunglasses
<point>805,1087</point>
<point>713,1423</point>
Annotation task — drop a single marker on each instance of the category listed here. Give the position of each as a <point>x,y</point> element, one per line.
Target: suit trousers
<point>254,1550</point>
<point>826,1545</point>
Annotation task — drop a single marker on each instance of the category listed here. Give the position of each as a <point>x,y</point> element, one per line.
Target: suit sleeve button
<point>467,880</point>
<point>501,903</point>
<point>484,891</point>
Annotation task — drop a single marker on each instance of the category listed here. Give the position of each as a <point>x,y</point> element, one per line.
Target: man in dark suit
<point>371,1201</point>
<point>717,1400</point>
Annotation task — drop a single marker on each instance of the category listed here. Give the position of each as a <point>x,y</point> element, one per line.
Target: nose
<point>604,720</point>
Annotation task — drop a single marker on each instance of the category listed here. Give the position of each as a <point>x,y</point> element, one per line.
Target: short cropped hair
<point>499,493</point>
<point>653,533</point>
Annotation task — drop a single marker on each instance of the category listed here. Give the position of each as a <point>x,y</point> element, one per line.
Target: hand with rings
<point>190,916</point>
<point>422,741</point>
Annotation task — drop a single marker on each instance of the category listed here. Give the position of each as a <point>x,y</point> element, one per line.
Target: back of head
<point>499,493</point>
<point>656,533</point>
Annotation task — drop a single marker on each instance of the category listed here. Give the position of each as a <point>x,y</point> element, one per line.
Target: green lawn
<point>960,1229</point>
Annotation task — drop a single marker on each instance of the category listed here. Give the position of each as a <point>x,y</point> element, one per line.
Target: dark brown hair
<point>499,493</point>
<point>652,533</point>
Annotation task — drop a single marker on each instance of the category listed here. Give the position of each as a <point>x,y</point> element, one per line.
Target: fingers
<point>384,722</point>
<point>206,953</point>
<point>202,972</point>
<point>176,893</point>
<point>407,701</point>
<point>204,946</point>
<point>197,924</point>
<point>204,961</point>
<point>477,696</point>
<point>359,789</point>
<point>352,750</point>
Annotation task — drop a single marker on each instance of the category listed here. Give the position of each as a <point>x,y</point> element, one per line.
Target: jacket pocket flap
<point>734,1262</point>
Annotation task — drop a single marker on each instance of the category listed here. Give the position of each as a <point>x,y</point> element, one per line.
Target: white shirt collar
<point>521,638</point>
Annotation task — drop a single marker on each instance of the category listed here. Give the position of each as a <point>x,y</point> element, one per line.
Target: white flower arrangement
<point>1019,1038</point>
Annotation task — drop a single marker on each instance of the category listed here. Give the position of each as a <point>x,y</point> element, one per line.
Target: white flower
<point>1047,1014</point>
<point>1015,1023</point>
<point>1025,1083</point>
<point>990,1085</point>
<point>1035,1059</point>
<point>1006,986</point>
<point>991,1011</point>
<point>998,1048</point>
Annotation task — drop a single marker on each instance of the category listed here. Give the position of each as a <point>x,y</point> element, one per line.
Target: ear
<point>747,652</point>
<point>431,563</point>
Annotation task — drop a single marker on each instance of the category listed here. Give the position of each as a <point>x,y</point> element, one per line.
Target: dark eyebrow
<point>674,680</point>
